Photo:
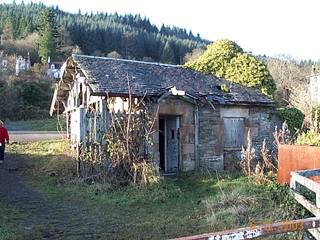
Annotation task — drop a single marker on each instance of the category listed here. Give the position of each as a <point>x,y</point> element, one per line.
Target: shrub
<point>24,98</point>
<point>293,117</point>
<point>310,137</point>
<point>289,208</point>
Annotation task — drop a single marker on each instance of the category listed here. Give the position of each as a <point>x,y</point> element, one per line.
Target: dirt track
<point>41,218</point>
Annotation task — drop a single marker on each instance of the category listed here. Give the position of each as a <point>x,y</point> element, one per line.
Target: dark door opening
<point>169,143</point>
<point>162,143</point>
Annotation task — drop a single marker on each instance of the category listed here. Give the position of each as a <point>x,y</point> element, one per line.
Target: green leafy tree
<point>48,31</point>
<point>216,58</point>
<point>247,70</point>
<point>293,117</point>
<point>226,59</point>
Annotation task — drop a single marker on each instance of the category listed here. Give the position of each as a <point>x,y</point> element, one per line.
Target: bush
<point>293,117</point>
<point>289,207</point>
<point>310,137</point>
<point>25,98</point>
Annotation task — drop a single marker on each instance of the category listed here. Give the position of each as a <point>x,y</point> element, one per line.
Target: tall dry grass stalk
<point>263,168</point>
<point>127,156</point>
<point>247,156</point>
<point>130,141</point>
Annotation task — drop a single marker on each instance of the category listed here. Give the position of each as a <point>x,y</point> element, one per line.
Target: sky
<point>271,27</point>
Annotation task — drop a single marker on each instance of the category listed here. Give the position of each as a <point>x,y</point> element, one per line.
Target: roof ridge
<point>127,60</point>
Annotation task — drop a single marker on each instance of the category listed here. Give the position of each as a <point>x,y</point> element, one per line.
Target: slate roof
<point>108,75</point>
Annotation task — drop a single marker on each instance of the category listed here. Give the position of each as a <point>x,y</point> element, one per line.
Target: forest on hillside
<point>102,34</point>
<point>47,32</point>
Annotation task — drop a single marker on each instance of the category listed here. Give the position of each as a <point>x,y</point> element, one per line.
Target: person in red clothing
<point>4,138</point>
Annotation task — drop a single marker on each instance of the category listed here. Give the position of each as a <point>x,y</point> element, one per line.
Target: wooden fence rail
<point>304,178</point>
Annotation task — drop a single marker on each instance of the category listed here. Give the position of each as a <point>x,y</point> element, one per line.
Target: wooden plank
<point>318,200</point>
<point>308,183</point>
<point>301,178</point>
<point>233,132</point>
<point>259,231</point>
<point>315,233</point>
<point>196,137</point>
<point>307,204</point>
<point>309,173</point>
<point>293,184</point>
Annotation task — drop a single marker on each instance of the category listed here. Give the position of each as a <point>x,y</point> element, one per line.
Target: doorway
<point>169,143</point>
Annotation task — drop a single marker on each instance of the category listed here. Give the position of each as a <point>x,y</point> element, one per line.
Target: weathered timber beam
<point>315,233</point>
<point>64,87</point>
<point>259,231</point>
<point>308,183</point>
<point>60,98</point>
<point>309,173</point>
<point>306,204</point>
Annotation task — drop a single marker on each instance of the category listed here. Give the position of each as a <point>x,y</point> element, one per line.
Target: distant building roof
<point>111,76</point>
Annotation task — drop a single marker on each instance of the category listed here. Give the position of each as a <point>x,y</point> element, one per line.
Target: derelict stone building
<point>202,121</point>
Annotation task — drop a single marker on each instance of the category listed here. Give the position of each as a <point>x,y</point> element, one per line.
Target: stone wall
<point>173,106</point>
<point>212,153</point>
<point>262,122</point>
<point>210,138</point>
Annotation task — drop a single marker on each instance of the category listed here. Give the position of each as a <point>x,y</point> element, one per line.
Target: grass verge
<point>8,216</point>
<point>191,204</point>
<point>50,124</point>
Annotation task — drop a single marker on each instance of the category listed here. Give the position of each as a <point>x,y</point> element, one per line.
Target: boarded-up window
<point>233,132</point>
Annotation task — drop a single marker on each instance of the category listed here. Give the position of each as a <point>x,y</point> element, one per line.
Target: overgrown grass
<point>7,233</point>
<point>190,204</point>
<point>8,228</point>
<point>50,124</point>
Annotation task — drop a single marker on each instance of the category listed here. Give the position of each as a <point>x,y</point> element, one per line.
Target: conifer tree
<point>48,31</point>
<point>99,33</point>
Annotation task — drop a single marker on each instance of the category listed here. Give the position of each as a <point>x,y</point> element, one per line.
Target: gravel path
<point>43,219</point>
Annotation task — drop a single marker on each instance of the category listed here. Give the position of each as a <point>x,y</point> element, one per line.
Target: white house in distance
<point>314,89</point>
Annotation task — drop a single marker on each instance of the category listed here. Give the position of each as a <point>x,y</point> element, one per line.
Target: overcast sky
<point>268,27</point>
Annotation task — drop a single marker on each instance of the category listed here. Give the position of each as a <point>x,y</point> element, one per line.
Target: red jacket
<point>4,136</point>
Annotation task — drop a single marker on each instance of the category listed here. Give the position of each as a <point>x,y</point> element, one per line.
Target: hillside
<point>131,36</point>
